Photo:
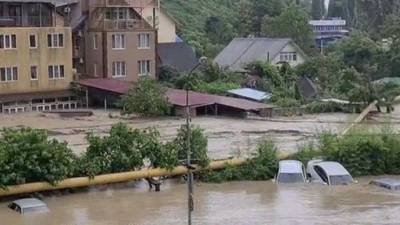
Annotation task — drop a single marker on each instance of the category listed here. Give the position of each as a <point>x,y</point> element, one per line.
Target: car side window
<point>321,173</point>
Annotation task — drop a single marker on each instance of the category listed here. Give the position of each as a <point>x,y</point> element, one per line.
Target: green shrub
<point>198,145</point>
<point>262,166</point>
<point>217,87</point>
<point>26,155</point>
<point>146,98</point>
<point>306,153</point>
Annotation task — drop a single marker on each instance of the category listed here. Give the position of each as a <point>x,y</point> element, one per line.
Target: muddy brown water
<point>247,203</point>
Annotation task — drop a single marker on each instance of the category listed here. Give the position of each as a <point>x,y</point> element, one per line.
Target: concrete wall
<point>290,48</point>
<point>23,57</point>
<point>164,23</point>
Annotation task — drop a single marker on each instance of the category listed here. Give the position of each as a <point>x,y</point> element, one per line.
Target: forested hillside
<point>346,70</point>
<point>209,25</point>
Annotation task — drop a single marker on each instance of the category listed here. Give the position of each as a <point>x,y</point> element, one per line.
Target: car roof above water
<point>388,183</point>
<point>332,168</point>
<point>29,203</point>
<point>290,166</point>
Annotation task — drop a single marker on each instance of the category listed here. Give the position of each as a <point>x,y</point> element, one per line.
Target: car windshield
<point>340,180</point>
<point>290,178</point>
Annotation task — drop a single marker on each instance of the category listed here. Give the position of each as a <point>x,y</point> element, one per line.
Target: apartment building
<point>328,31</point>
<point>35,57</point>
<point>120,44</point>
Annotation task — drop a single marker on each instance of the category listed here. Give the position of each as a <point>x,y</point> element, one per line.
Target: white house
<point>242,51</point>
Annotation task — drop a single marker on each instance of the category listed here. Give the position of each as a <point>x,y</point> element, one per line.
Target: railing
<point>26,21</point>
<point>131,24</point>
<point>125,3</point>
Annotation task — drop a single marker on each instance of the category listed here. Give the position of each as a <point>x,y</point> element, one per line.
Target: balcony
<point>125,3</point>
<point>26,21</point>
<point>118,25</point>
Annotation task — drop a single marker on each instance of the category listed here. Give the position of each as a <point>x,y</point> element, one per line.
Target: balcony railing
<point>26,21</point>
<point>110,25</point>
<point>125,3</point>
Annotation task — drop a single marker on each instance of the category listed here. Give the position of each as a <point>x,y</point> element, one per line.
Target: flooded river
<point>230,203</point>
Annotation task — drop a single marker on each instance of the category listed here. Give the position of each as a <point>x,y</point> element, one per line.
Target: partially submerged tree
<point>146,98</point>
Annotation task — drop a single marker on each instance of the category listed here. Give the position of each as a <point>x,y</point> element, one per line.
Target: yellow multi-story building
<point>35,57</point>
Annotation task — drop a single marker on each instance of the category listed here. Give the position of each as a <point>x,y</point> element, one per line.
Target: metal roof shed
<point>251,94</point>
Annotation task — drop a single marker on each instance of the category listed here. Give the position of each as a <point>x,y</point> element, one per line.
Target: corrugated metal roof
<point>250,94</point>
<point>177,97</point>
<point>111,85</point>
<point>242,51</point>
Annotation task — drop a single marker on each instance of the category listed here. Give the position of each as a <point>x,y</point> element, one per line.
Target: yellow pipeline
<point>110,178</point>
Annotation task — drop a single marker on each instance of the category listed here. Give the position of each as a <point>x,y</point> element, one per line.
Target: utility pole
<point>189,166</point>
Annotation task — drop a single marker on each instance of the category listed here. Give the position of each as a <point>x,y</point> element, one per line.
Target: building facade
<point>164,23</point>
<point>328,31</point>
<point>35,57</point>
<point>120,44</point>
<point>242,51</point>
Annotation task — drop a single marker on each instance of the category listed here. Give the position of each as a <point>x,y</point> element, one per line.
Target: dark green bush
<point>26,155</point>
<point>262,166</point>
<point>198,145</point>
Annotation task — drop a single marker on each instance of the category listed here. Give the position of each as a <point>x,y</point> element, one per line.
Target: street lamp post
<point>202,60</point>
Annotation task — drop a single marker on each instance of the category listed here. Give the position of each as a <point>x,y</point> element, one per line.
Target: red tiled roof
<point>177,97</point>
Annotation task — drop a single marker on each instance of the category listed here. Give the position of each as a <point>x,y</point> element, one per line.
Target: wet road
<point>244,203</point>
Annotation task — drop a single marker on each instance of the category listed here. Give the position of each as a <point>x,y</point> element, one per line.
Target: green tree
<point>146,98</point>
<point>26,155</point>
<point>218,31</point>
<point>318,9</point>
<point>198,145</point>
<point>291,23</point>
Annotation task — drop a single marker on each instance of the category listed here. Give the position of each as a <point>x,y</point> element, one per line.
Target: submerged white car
<point>28,205</point>
<point>330,173</point>
<point>291,171</point>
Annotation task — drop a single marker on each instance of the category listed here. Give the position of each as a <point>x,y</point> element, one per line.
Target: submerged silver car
<point>291,171</point>
<point>28,205</point>
<point>330,173</point>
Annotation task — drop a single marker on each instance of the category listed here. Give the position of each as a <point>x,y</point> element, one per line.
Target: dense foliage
<point>262,166</point>
<point>146,98</point>
<point>26,155</point>
<point>198,145</point>
<point>362,153</point>
<point>210,24</point>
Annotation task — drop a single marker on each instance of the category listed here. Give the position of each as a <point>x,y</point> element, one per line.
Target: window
<point>34,73</point>
<point>119,14</point>
<point>119,69</point>
<point>144,40</point>
<point>288,56</point>
<point>118,41</point>
<point>144,67</point>
<point>32,41</point>
<point>55,40</point>
<point>95,41</point>
<point>56,72</point>
<point>8,74</point>
<point>8,41</point>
